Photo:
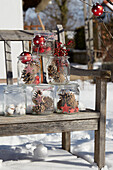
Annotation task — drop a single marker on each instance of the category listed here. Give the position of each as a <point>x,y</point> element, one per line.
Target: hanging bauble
<point>38,40</point>
<point>25,57</point>
<point>97,9</point>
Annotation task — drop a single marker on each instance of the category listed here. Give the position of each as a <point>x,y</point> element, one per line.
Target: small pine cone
<point>42,108</point>
<point>36,68</point>
<point>34,100</point>
<point>35,109</point>
<point>48,102</point>
<point>27,77</point>
<point>59,78</point>
<point>71,100</point>
<point>52,70</point>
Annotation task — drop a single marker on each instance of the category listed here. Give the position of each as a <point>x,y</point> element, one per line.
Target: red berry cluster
<point>61,49</point>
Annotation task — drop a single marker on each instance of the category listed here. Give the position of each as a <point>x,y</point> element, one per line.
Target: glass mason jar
<point>14,100</point>
<point>42,99</point>
<point>58,70</point>
<point>43,43</point>
<point>28,68</point>
<point>67,98</point>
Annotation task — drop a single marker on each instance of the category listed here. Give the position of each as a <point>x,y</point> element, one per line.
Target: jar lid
<point>44,86</point>
<point>70,85</point>
<point>13,88</point>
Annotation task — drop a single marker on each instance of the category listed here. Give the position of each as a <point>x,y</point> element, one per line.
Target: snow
<point>17,152</point>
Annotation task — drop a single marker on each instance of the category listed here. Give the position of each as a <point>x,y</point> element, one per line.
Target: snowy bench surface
<point>87,120</point>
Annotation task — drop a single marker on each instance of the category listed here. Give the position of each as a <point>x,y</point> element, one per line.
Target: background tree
<point>61,12</point>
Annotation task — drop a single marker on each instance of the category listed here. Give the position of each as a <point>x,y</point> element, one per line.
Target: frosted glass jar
<point>43,43</point>
<point>58,70</point>
<point>28,68</point>
<point>42,99</point>
<point>14,100</point>
<point>67,98</point>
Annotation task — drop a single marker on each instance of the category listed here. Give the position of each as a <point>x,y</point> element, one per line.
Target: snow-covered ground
<point>17,152</point>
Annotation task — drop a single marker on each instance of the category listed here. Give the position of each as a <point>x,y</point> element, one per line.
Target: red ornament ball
<point>37,81</point>
<point>48,49</point>
<point>25,57</point>
<point>41,50</point>
<point>38,40</point>
<point>97,9</point>
<point>35,49</point>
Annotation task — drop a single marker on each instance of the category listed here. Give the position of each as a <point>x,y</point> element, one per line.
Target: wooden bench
<point>87,120</point>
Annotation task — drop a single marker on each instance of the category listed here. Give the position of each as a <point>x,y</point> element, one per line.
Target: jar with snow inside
<point>14,100</point>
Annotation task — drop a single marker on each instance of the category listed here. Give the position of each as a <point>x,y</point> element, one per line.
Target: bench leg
<point>66,141</point>
<point>100,134</point>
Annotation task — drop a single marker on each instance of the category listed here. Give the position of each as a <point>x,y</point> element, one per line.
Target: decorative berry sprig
<point>61,49</point>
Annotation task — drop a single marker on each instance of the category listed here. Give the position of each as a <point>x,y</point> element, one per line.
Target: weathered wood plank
<point>47,127</point>
<point>100,134</point>
<point>61,35</point>
<point>66,141</point>
<point>65,135</point>
<point>19,35</point>
<point>8,62</point>
<point>49,118</point>
<point>92,73</point>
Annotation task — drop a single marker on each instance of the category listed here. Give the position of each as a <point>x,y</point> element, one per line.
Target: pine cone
<point>27,77</point>
<point>52,70</point>
<point>59,77</point>
<point>48,102</point>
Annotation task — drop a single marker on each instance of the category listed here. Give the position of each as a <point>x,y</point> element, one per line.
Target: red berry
<point>25,57</point>
<point>97,9</point>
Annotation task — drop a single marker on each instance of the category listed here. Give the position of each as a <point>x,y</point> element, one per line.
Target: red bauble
<point>48,49</point>
<point>38,40</point>
<point>37,81</point>
<point>25,57</point>
<point>41,49</point>
<point>35,49</point>
<point>97,9</point>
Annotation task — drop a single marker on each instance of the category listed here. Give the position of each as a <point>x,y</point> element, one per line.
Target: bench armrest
<point>93,73</point>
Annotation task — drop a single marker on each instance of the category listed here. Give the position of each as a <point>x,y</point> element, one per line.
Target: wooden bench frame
<point>88,120</point>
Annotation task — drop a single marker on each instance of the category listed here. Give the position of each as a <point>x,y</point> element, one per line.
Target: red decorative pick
<point>25,57</point>
<point>65,108</point>
<point>37,81</point>
<point>97,9</point>
<point>38,40</point>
